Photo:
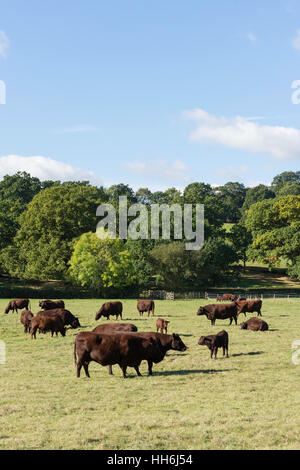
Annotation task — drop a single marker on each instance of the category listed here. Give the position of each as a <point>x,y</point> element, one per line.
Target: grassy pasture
<point>249,401</point>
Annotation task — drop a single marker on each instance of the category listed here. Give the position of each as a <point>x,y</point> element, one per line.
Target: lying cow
<point>16,305</point>
<point>108,327</point>
<point>215,312</point>
<point>110,308</point>
<point>255,324</point>
<point>51,304</point>
<point>124,349</point>
<point>145,306</point>
<point>162,325</point>
<point>165,342</point>
<point>66,316</point>
<point>25,319</point>
<point>251,306</point>
<point>213,342</point>
<point>46,323</point>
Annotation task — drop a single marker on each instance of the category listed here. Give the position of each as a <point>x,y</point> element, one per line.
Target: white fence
<point>165,295</point>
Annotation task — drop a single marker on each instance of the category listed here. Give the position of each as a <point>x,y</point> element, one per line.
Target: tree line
<point>48,232</point>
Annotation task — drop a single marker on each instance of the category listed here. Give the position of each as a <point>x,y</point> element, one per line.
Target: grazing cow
<point>109,327</point>
<point>110,308</point>
<point>162,325</point>
<point>215,312</point>
<point>15,305</point>
<point>46,323</point>
<point>66,316</point>
<point>51,304</point>
<point>26,317</point>
<point>145,306</point>
<point>124,349</point>
<point>255,324</point>
<point>165,342</point>
<point>226,297</point>
<point>213,342</point>
<point>251,306</point>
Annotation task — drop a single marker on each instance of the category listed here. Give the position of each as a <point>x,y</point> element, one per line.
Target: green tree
<point>256,194</point>
<point>101,264</point>
<point>275,228</point>
<point>232,196</point>
<point>240,238</point>
<point>53,218</point>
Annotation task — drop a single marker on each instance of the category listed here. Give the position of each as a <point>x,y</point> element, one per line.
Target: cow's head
<point>99,313</point>
<point>75,323</point>
<point>201,340</point>
<point>201,311</point>
<point>63,331</point>
<point>7,309</point>
<point>243,325</point>
<point>177,343</point>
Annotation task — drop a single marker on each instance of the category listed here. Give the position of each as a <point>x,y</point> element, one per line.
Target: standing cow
<point>26,317</point>
<point>15,305</point>
<point>214,312</point>
<point>110,308</point>
<point>250,306</point>
<point>51,304</point>
<point>145,306</point>
<point>213,342</point>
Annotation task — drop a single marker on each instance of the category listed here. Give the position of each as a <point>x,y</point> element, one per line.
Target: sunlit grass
<point>249,401</point>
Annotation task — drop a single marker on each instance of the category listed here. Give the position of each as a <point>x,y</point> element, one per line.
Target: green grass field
<point>249,401</point>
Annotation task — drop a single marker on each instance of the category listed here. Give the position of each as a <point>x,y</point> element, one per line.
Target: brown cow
<point>251,306</point>
<point>221,312</point>
<point>166,342</point>
<point>162,325</point>
<point>213,342</point>
<point>108,327</point>
<point>124,349</point>
<point>110,308</point>
<point>226,297</point>
<point>145,306</point>
<point>51,304</point>
<point>46,323</point>
<point>66,316</point>
<point>14,305</point>
<point>25,319</point>
<point>255,324</point>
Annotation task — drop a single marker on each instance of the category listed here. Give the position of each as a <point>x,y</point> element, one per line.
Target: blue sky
<point>154,94</point>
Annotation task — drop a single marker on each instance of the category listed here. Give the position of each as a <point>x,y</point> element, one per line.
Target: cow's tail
<point>153,309</point>
<point>75,358</point>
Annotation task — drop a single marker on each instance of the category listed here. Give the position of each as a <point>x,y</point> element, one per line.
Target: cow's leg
<point>110,370</point>
<point>259,313</point>
<point>211,352</point>
<point>150,364</point>
<point>86,369</point>
<point>138,371</point>
<point>78,369</point>
<point>124,371</point>
<point>216,351</point>
<point>223,350</point>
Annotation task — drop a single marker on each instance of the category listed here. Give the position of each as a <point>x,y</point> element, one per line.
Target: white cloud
<point>241,133</point>
<point>296,41</point>
<point>161,169</point>
<point>252,37</point>
<point>4,43</point>
<point>45,168</point>
<point>76,129</point>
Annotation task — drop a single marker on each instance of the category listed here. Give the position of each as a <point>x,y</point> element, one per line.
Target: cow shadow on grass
<point>191,371</point>
<point>250,353</point>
